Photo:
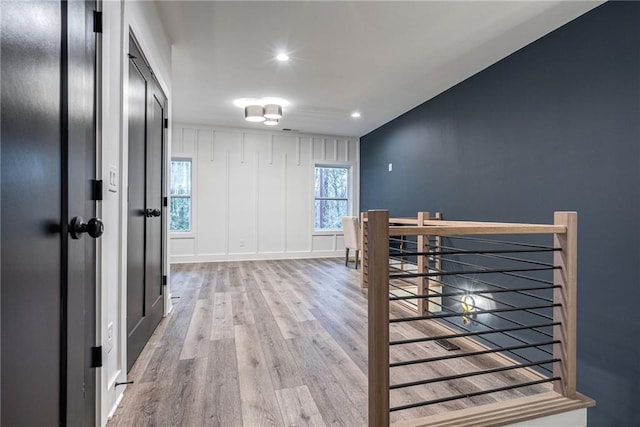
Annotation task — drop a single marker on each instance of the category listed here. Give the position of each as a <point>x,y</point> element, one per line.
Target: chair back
<point>351,229</point>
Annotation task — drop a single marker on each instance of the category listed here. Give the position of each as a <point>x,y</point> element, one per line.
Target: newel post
<point>378,308</point>
<point>566,296</point>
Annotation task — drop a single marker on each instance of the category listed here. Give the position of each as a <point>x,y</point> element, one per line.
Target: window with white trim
<point>332,196</point>
<point>180,192</point>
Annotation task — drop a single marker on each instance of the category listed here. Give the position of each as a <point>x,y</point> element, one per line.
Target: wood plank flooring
<point>281,343</point>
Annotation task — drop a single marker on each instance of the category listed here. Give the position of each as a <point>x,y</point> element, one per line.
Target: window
<point>331,196</point>
<point>180,195</point>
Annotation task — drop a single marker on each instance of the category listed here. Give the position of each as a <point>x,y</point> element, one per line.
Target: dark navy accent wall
<point>555,126</point>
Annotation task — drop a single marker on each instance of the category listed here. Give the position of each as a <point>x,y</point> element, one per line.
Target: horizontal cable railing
<point>446,291</point>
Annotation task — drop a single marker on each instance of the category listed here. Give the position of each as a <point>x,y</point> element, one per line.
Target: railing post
<point>436,285</point>
<point>402,246</point>
<point>566,296</point>
<point>364,241</point>
<point>378,307</point>
<point>423,266</point>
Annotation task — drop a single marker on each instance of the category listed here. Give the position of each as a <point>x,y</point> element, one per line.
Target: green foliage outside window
<point>180,192</point>
<point>331,197</point>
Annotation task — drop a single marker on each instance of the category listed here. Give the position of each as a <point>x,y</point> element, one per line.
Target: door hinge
<point>97,22</point>
<point>164,280</point>
<point>166,123</point>
<point>165,201</point>
<point>96,357</point>
<point>96,189</point>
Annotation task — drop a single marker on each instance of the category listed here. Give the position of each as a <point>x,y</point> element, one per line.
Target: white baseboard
<point>115,406</point>
<point>262,256</point>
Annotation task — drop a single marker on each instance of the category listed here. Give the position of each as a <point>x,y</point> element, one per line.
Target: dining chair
<point>351,229</point>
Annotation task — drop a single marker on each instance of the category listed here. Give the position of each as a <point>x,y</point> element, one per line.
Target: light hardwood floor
<point>280,343</point>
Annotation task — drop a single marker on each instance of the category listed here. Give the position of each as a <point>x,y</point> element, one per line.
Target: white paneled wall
<point>253,193</point>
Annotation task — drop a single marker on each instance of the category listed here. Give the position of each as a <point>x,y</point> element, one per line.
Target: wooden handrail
<point>471,229</point>
<point>441,222</point>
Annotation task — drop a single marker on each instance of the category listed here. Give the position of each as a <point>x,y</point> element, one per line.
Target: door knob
<point>152,212</point>
<point>94,227</point>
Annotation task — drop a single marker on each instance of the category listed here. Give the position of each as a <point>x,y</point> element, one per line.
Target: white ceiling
<point>380,58</point>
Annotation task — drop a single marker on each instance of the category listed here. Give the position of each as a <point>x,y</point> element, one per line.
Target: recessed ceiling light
<point>282,57</point>
<point>355,115</point>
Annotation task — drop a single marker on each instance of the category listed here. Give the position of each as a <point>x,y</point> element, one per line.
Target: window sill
<point>327,233</point>
<point>182,235</point>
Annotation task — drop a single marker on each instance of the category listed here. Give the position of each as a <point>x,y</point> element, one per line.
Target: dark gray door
<point>48,162</point>
<point>81,251</point>
<point>147,113</point>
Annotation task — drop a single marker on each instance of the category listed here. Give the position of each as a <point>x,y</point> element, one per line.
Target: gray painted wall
<point>555,126</point>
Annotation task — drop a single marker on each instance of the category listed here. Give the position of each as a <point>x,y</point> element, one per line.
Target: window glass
<point>331,196</point>
<point>329,214</point>
<point>332,182</point>
<point>180,192</point>
<point>181,177</point>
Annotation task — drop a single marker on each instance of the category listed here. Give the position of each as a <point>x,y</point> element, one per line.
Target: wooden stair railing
<point>375,277</point>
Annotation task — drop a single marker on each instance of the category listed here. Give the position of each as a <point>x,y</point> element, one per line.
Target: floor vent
<point>447,345</point>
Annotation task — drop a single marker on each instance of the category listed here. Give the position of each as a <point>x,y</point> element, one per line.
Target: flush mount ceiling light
<point>266,110</point>
<point>254,113</point>
<point>272,111</point>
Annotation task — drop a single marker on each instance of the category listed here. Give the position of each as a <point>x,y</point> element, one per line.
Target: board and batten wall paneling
<point>298,182</point>
<point>210,167</point>
<point>253,193</point>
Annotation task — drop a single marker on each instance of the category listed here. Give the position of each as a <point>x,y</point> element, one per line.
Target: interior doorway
<point>146,205</point>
